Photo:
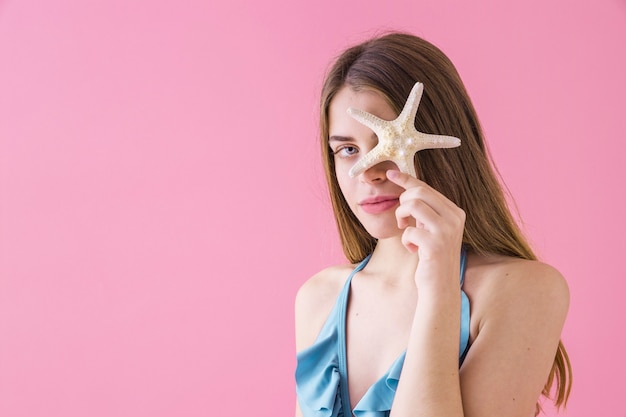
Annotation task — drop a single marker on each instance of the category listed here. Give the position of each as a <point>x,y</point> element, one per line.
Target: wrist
<point>438,277</point>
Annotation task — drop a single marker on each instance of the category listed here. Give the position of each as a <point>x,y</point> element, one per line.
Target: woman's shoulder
<point>505,273</point>
<point>501,285</point>
<point>315,300</point>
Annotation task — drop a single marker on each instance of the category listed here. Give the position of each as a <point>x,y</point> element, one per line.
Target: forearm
<point>429,384</point>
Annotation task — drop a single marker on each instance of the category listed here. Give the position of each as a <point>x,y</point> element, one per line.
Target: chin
<point>381,233</point>
<point>380,226</point>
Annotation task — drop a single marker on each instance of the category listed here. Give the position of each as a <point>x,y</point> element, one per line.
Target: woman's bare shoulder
<point>503,275</point>
<point>502,286</point>
<point>315,300</point>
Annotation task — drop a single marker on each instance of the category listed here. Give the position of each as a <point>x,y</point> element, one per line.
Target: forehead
<point>340,123</point>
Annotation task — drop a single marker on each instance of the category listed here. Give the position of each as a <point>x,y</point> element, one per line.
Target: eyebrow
<point>336,138</point>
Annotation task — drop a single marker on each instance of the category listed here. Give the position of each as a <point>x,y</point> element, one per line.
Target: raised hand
<point>433,226</point>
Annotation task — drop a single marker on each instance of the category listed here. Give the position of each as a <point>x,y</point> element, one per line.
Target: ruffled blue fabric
<point>319,373</point>
<point>378,399</point>
<point>317,376</point>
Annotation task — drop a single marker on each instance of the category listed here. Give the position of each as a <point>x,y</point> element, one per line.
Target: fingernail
<point>392,174</point>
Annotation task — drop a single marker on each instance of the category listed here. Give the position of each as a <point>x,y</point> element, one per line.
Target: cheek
<point>347,188</point>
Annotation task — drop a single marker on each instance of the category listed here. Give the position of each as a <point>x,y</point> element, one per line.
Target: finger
<point>412,237</point>
<point>436,202</point>
<point>409,183</point>
<point>417,212</point>
<point>424,194</point>
<point>403,180</point>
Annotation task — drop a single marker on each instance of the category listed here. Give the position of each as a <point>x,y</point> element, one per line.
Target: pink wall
<point>161,200</point>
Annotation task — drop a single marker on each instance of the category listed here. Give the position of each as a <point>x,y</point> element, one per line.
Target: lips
<point>379,204</point>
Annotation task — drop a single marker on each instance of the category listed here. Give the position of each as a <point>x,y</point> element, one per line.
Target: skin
<point>407,297</point>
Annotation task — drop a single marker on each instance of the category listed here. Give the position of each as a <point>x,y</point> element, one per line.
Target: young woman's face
<point>370,195</point>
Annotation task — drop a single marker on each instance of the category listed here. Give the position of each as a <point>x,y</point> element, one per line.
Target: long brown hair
<point>390,65</point>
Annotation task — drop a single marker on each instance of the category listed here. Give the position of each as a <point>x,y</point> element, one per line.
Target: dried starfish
<point>398,140</point>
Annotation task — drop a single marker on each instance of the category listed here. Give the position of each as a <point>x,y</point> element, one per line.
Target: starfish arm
<point>406,165</point>
<point>375,123</point>
<point>407,115</point>
<point>370,159</point>
<point>428,141</point>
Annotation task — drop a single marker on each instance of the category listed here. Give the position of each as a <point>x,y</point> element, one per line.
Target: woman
<point>383,336</point>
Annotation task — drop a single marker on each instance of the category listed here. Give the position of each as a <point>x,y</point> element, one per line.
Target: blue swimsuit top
<point>321,371</point>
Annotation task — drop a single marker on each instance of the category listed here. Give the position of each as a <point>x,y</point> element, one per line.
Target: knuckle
<point>420,190</point>
<point>412,193</point>
<point>413,204</point>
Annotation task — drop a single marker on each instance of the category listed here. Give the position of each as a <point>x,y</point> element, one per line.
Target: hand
<point>433,225</point>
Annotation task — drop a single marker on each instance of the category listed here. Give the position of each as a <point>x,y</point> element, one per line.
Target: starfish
<point>398,140</point>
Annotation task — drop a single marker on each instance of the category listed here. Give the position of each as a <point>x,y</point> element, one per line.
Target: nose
<point>377,173</point>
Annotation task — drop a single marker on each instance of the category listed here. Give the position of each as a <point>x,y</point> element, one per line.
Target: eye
<point>346,151</point>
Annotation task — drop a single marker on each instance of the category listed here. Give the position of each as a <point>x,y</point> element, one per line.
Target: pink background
<point>161,199</point>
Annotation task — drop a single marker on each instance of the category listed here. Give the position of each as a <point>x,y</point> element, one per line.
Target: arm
<point>433,226</point>
<point>523,309</point>
<point>519,307</point>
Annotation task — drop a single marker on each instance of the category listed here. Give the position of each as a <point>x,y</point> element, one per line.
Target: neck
<point>393,262</point>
